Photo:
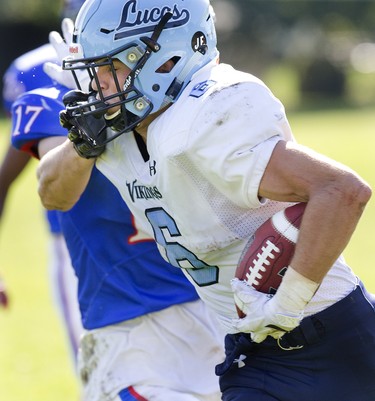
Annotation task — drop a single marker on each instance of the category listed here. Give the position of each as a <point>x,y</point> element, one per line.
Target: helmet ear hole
<point>176,59</point>
<point>168,65</point>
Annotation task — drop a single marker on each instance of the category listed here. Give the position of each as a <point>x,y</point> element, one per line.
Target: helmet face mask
<point>146,36</point>
<point>125,93</point>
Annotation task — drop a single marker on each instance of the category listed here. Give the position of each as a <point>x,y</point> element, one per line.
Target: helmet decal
<point>136,21</point>
<point>198,40</point>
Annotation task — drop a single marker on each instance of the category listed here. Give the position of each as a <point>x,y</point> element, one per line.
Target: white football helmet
<point>143,34</point>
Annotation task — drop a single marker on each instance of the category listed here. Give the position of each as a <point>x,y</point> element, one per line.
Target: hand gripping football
<point>268,254</point>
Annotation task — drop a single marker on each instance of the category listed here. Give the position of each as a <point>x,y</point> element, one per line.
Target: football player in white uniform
<point>203,155</point>
<point>147,335</point>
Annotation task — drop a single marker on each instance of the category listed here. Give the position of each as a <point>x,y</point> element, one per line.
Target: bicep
<point>294,172</point>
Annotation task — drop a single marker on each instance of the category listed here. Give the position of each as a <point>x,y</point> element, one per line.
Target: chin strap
<point>152,46</point>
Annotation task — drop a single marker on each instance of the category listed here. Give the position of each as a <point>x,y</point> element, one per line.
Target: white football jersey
<point>197,194</point>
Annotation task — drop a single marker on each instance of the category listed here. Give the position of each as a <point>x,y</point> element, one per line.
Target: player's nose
<point>100,80</point>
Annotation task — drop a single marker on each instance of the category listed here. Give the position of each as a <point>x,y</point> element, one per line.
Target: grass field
<point>34,361</point>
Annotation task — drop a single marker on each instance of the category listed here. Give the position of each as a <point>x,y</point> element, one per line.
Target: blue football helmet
<point>144,35</point>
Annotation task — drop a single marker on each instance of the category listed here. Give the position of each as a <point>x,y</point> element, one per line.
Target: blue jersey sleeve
<point>26,73</point>
<point>35,115</point>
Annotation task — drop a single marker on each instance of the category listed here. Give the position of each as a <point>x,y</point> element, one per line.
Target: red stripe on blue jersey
<point>129,394</point>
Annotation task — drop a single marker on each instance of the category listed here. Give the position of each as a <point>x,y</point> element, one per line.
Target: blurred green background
<point>317,56</point>
<point>325,48</point>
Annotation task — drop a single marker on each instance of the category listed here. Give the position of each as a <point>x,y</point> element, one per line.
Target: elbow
<point>54,206</point>
<point>51,194</point>
<point>357,193</point>
<point>365,194</point>
<point>51,202</point>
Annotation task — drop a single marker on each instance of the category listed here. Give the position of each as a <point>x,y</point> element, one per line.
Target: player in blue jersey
<point>147,335</point>
<point>24,74</point>
<point>212,155</point>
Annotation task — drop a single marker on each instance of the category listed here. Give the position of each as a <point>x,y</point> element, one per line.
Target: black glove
<point>87,128</point>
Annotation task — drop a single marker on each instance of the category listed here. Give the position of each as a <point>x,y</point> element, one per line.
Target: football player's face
<point>108,84</point>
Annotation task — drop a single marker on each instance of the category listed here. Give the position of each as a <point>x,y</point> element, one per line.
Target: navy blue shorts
<point>329,357</point>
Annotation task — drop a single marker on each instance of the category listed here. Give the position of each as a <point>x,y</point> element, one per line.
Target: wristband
<point>294,292</point>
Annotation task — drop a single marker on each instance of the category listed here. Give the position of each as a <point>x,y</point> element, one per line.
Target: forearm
<point>329,222</point>
<point>62,177</point>
<point>335,196</point>
<point>12,165</point>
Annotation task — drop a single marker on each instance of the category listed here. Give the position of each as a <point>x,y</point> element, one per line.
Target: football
<point>268,253</point>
